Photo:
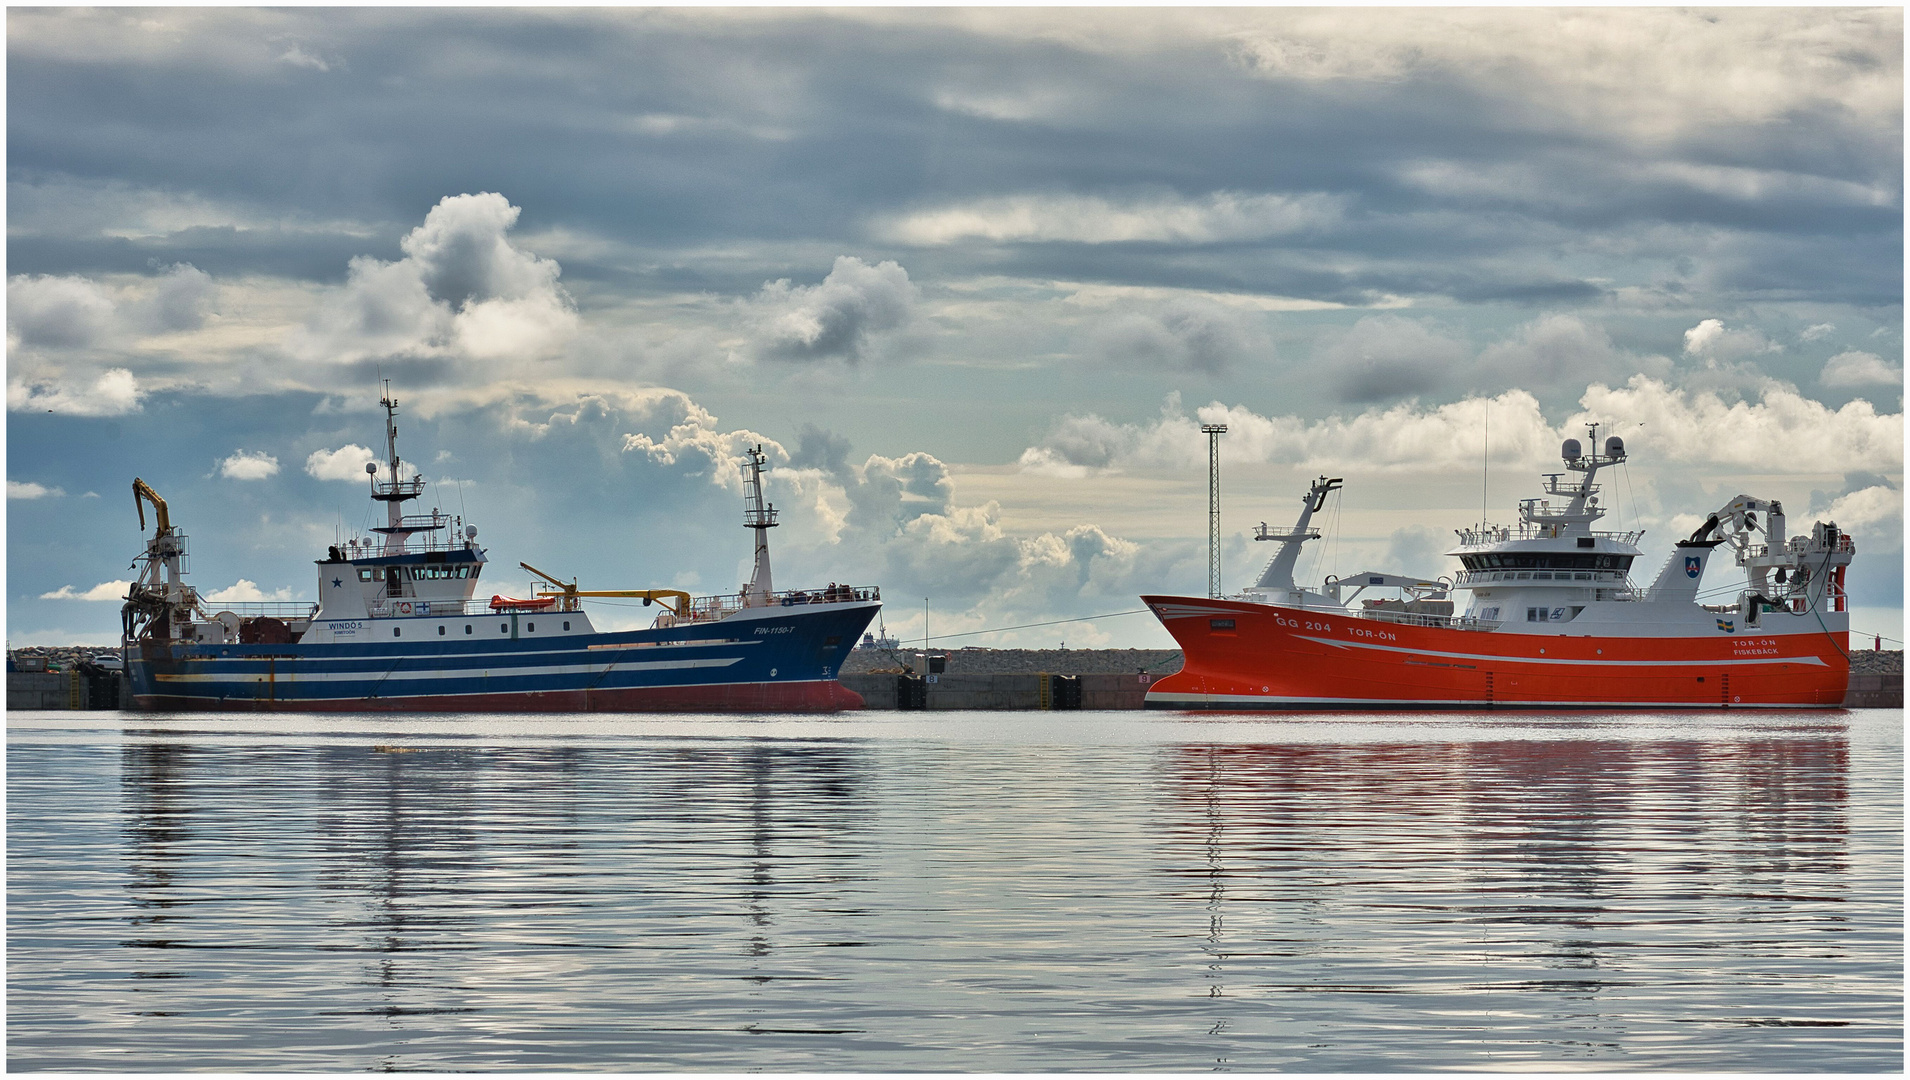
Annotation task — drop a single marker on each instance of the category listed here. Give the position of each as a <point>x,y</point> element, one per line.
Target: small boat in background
<point>397,627</point>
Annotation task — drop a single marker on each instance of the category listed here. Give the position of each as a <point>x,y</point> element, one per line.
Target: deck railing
<point>1444,622</point>
<point>700,609</point>
<point>276,609</point>
<point>712,608</point>
<point>1499,534</point>
<point>1482,577</point>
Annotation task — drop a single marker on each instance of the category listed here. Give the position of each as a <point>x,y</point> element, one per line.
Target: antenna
<point>1213,433</point>
<point>1485,463</point>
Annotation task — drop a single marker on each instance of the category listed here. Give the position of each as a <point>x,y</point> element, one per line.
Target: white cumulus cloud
<point>26,489</point>
<point>345,463</point>
<point>249,465</point>
<point>58,312</point>
<point>101,593</point>
<point>1875,509</point>
<point>461,291</point>
<point>1712,342</point>
<point>113,393</point>
<point>1782,432</point>
<point>837,318</point>
<point>244,591</point>
<point>1855,368</point>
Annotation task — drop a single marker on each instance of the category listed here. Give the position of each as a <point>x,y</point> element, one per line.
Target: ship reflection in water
<point>968,892</point>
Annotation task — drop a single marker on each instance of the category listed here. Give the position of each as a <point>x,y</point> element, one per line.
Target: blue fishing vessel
<point>399,625</point>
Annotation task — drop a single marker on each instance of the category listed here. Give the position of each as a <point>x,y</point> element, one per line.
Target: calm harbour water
<point>956,892</point>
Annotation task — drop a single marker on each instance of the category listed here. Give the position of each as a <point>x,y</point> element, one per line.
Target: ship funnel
<point>1615,448</point>
<point>1571,451</point>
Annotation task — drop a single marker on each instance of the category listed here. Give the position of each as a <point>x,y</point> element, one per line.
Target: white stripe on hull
<point>1503,658</point>
<point>1271,701</point>
<point>295,676</point>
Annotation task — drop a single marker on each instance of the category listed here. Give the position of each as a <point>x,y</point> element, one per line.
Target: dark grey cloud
<point>1189,336</point>
<point>836,319</point>
<point>819,448</point>
<point>1389,356</point>
<point>666,131</point>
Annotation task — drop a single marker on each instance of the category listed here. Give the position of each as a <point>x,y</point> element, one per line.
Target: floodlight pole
<point>1213,433</point>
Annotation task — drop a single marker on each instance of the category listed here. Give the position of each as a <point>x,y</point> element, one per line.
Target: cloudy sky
<point>973,278</point>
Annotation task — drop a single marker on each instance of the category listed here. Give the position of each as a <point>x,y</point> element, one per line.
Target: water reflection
<point>1461,877</point>
<point>448,870</point>
<point>156,829</point>
<point>1075,892</point>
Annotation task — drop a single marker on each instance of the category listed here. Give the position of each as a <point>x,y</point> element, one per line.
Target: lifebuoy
<point>404,607</point>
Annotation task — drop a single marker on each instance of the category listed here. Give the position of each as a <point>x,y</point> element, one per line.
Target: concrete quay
<point>987,679</point>
<point>1004,690</point>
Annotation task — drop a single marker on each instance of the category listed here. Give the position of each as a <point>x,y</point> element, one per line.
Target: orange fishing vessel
<point>1543,614</point>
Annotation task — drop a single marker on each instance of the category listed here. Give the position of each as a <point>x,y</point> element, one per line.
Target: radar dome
<point>470,532</point>
<point>371,468</point>
<point>1571,451</point>
<point>1614,447</point>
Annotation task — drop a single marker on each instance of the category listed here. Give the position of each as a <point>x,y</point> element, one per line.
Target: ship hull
<point>1247,656</point>
<point>759,660</point>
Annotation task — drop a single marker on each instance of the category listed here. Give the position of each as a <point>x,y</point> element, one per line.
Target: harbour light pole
<point>1213,433</point>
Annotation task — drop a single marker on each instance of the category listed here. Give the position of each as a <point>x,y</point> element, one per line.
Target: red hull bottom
<point>804,697</point>
<point>1243,656</point>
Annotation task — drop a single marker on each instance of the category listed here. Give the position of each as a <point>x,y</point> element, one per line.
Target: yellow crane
<point>142,491</point>
<point>571,593</point>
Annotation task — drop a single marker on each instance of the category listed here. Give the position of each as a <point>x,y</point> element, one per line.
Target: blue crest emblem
<point>1693,566</point>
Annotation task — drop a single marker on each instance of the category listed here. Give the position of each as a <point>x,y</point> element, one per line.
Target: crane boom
<point>570,592</point>
<point>142,491</point>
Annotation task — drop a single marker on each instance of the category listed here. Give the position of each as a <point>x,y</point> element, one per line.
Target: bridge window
<point>365,573</point>
<point>1546,560</point>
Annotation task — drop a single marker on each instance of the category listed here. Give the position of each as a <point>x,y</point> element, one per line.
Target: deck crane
<point>569,594</point>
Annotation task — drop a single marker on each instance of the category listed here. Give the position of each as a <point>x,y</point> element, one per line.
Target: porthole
<point>440,631</point>
<point>396,631</point>
<point>530,628</point>
<point>566,624</point>
<point>503,628</point>
<point>467,628</point>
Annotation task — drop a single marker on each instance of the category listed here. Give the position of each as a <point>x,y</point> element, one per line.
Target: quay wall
<point>1882,690</point>
<point>994,679</point>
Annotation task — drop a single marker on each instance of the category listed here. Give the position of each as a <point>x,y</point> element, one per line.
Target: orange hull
<point>1286,658</point>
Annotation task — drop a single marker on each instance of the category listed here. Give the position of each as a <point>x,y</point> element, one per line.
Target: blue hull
<point>760,659</point>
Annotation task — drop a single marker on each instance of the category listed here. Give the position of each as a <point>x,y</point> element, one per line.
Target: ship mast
<point>395,492</point>
<point>760,516</point>
<point>1279,571</point>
